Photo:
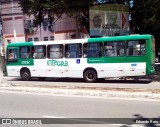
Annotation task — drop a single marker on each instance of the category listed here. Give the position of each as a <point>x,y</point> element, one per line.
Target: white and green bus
<point>90,58</point>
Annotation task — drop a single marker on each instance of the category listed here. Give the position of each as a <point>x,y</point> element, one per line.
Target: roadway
<point>19,105</point>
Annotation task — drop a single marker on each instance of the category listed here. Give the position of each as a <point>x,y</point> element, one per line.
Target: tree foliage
<point>145,15</point>
<point>54,9</point>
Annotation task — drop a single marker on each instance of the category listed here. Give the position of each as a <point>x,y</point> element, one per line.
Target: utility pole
<point>1,72</point>
<point>13,21</point>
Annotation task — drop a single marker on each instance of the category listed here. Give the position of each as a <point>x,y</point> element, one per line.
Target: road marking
<point>45,116</point>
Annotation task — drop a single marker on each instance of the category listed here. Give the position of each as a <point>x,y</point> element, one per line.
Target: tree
<point>145,15</point>
<point>56,8</point>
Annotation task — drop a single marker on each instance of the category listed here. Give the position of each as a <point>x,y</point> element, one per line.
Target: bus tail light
<point>152,68</point>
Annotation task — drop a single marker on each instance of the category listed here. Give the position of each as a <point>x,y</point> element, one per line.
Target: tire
<point>90,76</point>
<point>25,74</point>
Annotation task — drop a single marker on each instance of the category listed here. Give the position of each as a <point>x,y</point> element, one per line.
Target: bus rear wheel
<point>90,76</point>
<point>25,74</point>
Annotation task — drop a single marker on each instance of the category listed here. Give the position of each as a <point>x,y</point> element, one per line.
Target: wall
<point>15,26</point>
<point>61,29</point>
<point>12,22</point>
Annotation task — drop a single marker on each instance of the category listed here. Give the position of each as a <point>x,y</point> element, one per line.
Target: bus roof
<point>99,39</point>
<point>20,44</point>
<point>120,38</point>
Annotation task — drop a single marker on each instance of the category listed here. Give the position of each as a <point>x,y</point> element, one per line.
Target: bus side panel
<point>75,67</point>
<point>135,69</point>
<point>13,71</point>
<point>107,67</point>
<point>39,68</point>
<point>105,70</point>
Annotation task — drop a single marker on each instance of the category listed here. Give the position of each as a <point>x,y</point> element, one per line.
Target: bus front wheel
<point>90,76</point>
<point>25,74</point>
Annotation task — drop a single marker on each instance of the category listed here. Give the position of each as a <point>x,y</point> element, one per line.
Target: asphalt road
<point>13,105</point>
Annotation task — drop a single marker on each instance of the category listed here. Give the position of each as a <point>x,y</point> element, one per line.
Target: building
<point>1,44</point>
<point>104,20</point>
<point>17,27</point>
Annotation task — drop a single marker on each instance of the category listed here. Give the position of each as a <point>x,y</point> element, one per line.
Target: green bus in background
<point>90,58</point>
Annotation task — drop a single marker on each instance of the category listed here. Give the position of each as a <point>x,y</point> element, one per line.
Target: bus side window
<point>39,52</point>
<point>12,54</point>
<point>136,48</point>
<point>92,50</point>
<point>73,50</point>
<point>55,51</point>
<point>25,52</point>
<point>114,48</point>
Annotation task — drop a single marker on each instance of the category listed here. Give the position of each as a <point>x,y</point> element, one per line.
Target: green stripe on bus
<point>119,38</point>
<point>116,60</point>
<point>20,44</point>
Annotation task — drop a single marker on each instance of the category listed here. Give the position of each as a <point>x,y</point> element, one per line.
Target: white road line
<point>45,116</point>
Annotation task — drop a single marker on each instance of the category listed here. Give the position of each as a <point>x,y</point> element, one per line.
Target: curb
<point>81,92</point>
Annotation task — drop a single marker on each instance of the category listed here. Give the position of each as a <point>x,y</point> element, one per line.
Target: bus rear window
<point>12,54</point>
<point>153,44</point>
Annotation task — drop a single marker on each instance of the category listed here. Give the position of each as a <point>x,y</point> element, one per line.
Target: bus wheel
<point>90,76</point>
<point>25,74</point>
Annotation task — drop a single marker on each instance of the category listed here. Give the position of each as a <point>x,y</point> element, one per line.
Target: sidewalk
<point>70,89</point>
<point>85,91</point>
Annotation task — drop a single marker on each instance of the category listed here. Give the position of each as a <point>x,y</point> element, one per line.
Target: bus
<point>89,58</point>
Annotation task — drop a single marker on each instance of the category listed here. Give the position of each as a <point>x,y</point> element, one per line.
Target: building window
<point>30,39</point>
<point>36,39</point>
<point>73,50</point>
<point>45,22</point>
<point>55,51</point>
<point>34,23</point>
<point>51,38</point>
<point>45,38</point>
<point>114,49</point>
<point>28,23</point>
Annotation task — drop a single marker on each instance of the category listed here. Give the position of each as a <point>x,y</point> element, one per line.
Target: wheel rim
<point>25,75</point>
<point>90,76</point>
